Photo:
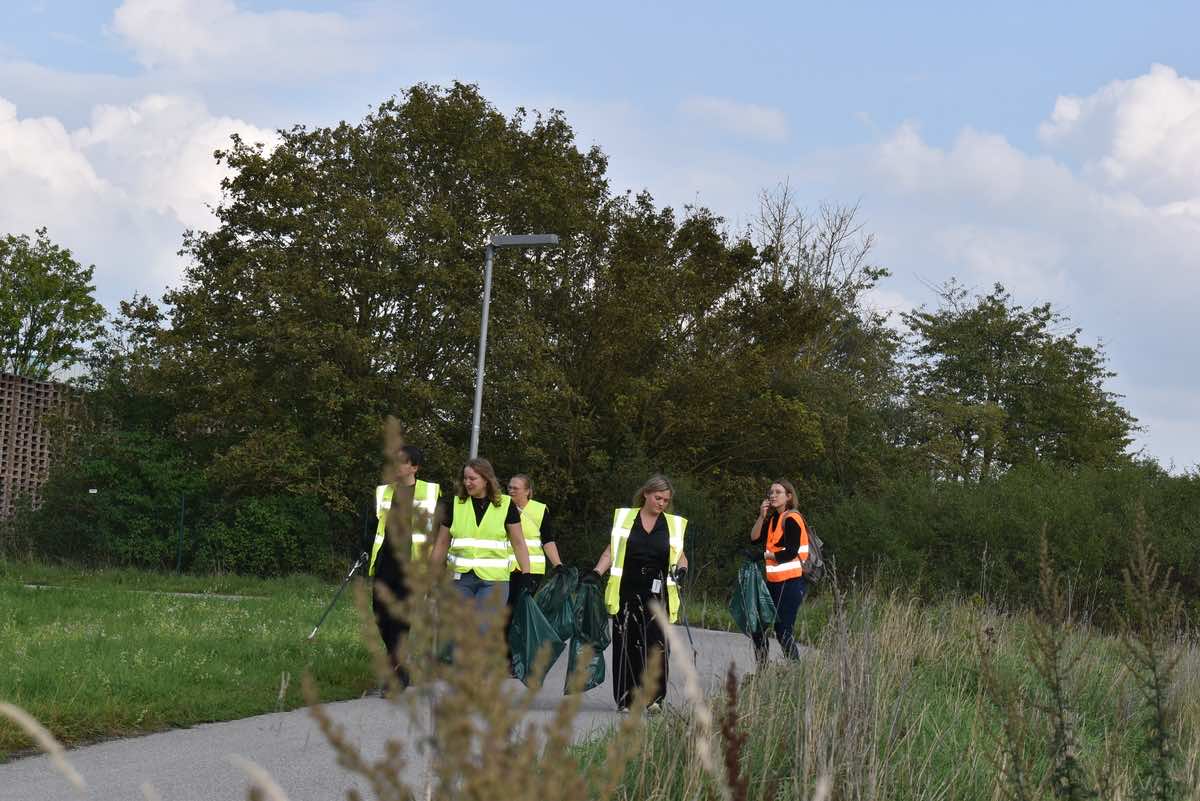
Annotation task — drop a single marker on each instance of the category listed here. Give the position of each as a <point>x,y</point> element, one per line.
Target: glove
<point>591,578</point>
<point>754,554</point>
<point>680,574</point>
<point>560,569</point>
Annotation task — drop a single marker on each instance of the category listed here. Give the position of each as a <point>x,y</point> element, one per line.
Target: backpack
<point>814,565</point>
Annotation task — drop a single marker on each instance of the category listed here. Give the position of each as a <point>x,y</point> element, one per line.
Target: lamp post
<point>515,241</point>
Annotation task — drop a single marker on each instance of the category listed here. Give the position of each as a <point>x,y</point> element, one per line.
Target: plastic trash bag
<point>529,633</point>
<point>591,628</point>
<point>556,600</point>
<point>751,605</point>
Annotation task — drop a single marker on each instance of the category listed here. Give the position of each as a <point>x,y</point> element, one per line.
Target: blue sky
<point>1053,147</point>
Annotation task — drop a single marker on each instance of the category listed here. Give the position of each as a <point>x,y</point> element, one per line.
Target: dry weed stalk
<point>701,714</point>
<point>45,741</point>
<point>733,739</point>
<point>263,786</point>
<point>1153,612</point>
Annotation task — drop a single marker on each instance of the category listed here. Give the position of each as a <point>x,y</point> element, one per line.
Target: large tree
<point>48,311</point>
<point>994,384</point>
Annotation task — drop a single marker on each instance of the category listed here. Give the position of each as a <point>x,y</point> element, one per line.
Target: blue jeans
<point>478,589</point>
<point>787,596</point>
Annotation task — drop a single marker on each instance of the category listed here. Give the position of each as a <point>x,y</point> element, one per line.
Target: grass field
<point>110,653</point>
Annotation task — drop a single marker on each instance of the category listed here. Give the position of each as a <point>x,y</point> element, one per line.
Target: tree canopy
<point>48,309</point>
<point>342,284</point>
<point>996,385</point>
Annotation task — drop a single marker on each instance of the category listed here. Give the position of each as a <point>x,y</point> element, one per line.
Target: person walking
<point>387,558</point>
<point>539,537</point>
<point>481,534</point>
<point>645,560</point>
<point>785,551</point>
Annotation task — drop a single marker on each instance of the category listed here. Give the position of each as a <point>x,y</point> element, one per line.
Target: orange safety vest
<point>777,571</point>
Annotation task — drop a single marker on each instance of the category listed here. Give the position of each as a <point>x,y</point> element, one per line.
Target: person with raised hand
<point>784,551</point>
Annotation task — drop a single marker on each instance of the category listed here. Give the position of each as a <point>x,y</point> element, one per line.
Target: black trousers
<point>637,639</point>
<point>787,595</point>
<point>391,629</point>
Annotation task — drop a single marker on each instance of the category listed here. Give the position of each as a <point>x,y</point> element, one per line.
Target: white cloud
<point>1111,241</point>
<point>160,150</point>
<point>1140,136</point>
<point>119,192</point>
<point>218,37</point>
<point>744,119</point>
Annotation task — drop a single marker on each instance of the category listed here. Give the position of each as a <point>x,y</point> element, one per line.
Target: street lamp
<point>515,241</point>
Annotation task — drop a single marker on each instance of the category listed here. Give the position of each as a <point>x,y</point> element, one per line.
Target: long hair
<point>791,491</point>
<point>656,483</point>
<point>484,468</point>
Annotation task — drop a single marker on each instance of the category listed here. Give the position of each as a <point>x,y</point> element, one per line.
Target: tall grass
<point>909,702</point>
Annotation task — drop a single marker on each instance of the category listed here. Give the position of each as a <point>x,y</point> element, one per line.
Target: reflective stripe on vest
<point>425,498</point>
<point>531,526</point>
<point>622,525</point>
<point>483,546</point>
<point>782,571</point>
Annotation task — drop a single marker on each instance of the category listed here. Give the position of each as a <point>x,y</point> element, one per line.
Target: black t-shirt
<point>647,555</point>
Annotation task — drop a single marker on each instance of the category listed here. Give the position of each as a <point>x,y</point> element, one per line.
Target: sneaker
<point>622,710</point>
<point>654,708</point>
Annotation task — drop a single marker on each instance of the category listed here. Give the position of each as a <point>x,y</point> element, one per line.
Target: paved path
<point>193,764</point>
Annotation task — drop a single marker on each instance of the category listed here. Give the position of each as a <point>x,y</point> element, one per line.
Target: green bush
<point>276,535</point>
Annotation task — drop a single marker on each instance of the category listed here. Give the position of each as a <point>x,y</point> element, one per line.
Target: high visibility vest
<point>425,498</point>
<point>483,546</point>
<point>622,525</point>
<point>531,526</point>
<point>782,571</point>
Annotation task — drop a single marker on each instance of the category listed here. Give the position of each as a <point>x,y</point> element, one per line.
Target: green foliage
<point>343,283</point>
<point>47,310</point>
<point>935,535</point>
<point>994,385</point>
<point>275,535</point>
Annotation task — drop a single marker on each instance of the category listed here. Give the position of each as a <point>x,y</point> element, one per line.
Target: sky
<point>1054,148</point>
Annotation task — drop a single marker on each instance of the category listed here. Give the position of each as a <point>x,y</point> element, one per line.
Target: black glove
<point>591,577</point>
<point>560,569</point>
<point>680,574</point>
<point>754,554</point>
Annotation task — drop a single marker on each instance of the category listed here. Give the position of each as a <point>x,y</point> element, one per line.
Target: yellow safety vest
<point>483,546</point>
<point>622,525</point>
<point>531,526</point>
<point>425,498</point>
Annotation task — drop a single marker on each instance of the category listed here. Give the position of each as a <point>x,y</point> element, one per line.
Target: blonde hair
<point>528,482</point>
<point>656,483</point>
<point>484,468</point>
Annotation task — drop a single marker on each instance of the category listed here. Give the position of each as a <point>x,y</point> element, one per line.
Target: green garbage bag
<point>556,600</point>
<point>751,605</point>
<point>528,634</point>
<point>591,628</point>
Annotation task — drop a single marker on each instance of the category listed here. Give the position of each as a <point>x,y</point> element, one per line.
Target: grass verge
<point>111,653</point>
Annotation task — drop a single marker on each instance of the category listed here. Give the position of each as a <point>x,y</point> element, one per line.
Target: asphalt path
<point>194,764</point>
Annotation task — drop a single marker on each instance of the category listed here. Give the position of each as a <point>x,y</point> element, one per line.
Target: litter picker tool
<point>362,560</point>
